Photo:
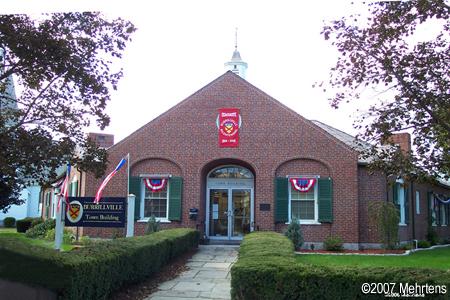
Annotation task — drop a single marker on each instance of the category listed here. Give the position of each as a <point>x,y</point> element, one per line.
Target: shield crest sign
<point>74,211</point>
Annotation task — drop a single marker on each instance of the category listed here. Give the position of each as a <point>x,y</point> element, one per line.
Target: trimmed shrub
<point>152,225</point>
<point>93,272</point>
<point>40,230</point>
<point>423,244</point>
<point>37,221</point>
<point>333,243</point>
<point>9,222</point>
<point>432,236</point>
<point>294,233</point>
<point>275,274</point>
<point>23,225</point>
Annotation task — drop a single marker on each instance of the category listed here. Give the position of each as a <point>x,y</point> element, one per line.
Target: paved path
<point>208,276</point>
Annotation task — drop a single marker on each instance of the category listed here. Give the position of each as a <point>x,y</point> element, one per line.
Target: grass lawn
<point>435,259</point>
<point>12,233</point>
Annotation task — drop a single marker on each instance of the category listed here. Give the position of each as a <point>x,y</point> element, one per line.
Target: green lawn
<point>435,259</point>
<point>12,232</point>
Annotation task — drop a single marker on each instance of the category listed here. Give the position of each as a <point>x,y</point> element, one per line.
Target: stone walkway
<point>208,276</point>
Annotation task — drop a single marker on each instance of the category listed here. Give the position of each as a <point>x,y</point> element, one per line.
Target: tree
<point>63,64</point>
<point>379,51</point>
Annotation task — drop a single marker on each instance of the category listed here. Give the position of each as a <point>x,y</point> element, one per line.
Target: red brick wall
<point>372,187</point>
<point>271,135</point>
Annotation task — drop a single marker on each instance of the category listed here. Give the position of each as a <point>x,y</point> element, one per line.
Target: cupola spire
<point>236,65</point>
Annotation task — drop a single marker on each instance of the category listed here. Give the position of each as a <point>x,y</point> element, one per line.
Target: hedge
<point>267,269</point>
<point>95,271</point>
<point>9,222</point>
<point>24,224</point>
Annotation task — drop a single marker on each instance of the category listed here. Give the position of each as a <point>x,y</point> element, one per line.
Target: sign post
<point>59,227</point>
<point>130,215</point>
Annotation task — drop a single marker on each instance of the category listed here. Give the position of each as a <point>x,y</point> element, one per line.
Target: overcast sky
<point>180,46</point>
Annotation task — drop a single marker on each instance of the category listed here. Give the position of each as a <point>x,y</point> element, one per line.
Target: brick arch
<point>155,165</point>
<point>303,165</point>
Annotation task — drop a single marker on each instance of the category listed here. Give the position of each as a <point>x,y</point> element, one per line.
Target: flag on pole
<point>98,195</point>
<point>64,192</point>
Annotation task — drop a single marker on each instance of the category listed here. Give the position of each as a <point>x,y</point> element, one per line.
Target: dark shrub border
<point>95,271</point>
<point>266,269</point>
<point>24,224</point>
<point>9,222</point>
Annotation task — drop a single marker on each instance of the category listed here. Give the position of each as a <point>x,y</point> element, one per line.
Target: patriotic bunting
<point>64,189</point>
<point>98,195</point>
<point>155,184</point>
<point>302,185</point>
<point>441,198</point>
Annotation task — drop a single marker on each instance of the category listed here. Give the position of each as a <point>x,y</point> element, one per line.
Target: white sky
<point>180,46</point>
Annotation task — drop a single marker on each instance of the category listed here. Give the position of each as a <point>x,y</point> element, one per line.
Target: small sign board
<point>264,206</point>
<point>83,212</point>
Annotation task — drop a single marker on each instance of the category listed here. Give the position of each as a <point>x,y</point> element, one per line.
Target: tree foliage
<point>382,51</point>
<point>63,67</point>
<point>385,216</point>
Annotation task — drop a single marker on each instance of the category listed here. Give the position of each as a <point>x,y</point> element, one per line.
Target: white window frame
<point>401,202</point>
<point>72,183</point>
<point>316,205</point>
<point>443,216</point>
<point>142,204</point>
<point>417,202</point>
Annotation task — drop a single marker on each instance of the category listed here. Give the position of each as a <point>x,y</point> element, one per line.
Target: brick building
<point>240,189</point>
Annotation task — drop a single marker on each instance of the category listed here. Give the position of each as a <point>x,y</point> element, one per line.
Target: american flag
<point>98,195</point>
<point>64,188</point>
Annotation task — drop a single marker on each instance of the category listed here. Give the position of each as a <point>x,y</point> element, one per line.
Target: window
<point>418,202</point>
<point>303,205</point>
<point>231,172</point>
<point>443,212</point>
<point>400,200</point>
<point>155,203</point>
<point>433,209</point>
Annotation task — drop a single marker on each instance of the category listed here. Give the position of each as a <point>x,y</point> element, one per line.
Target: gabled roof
<point>307,122</point>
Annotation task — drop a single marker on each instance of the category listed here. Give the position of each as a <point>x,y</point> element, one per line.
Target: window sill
<point>402,224</point>
<point>306,223</point>
<point>160,220</point>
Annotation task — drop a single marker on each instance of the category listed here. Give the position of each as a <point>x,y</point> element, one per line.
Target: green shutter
<point>325,200</point>
<point>395,189</point>
<point>281,199</point>
<point>75,188</point>
<point>430,215</point>
<point>135,189</point>
<point>406,205</point>
<point>175,195</point>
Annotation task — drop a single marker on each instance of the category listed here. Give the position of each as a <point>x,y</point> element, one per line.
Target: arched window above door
<point>231,172</point>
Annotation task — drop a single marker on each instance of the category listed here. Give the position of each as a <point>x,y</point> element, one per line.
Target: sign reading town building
<point>83,212</point>
<point>228,123</point>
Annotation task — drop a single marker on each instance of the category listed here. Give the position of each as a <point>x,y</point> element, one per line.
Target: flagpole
<point>128,174</point>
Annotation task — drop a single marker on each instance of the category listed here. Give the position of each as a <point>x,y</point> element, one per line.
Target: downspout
<point>413,208</point>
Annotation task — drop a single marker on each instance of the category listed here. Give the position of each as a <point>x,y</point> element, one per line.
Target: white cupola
<point>237,65</point>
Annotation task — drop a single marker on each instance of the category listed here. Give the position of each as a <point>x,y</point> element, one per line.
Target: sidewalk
<point>208,276</point>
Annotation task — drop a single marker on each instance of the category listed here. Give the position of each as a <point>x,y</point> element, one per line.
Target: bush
<point>36,221</point>
<point>68,236</point>
<point>152,225</point>
<point>432,236</point>
<point>23,225</point>
<point>333,243</point>
<point>40,230</point>
<point>93,272</point>
<point>294,233</point>
<point>275,274</point>
<point>423,244</point>
<point>9,222</point>
<point>386,217</point>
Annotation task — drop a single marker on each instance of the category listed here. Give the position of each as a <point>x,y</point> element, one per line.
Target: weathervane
<point>235,43</point>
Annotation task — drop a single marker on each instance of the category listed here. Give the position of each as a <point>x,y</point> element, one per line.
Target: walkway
<point>208,276</point>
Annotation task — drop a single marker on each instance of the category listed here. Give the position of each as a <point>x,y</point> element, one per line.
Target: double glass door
<point>229,213</point>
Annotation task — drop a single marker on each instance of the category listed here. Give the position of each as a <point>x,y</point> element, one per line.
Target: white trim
<point>417,199</point>
<point>155,175</point>
<point>142,204</point>
<point>316,206</point>
<point>161,220</point>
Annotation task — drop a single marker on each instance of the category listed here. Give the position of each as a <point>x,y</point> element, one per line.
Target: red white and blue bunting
<point>155,184</point>
<point>442,199</point>
<point>302,185</point>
